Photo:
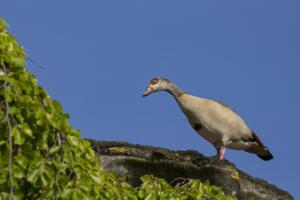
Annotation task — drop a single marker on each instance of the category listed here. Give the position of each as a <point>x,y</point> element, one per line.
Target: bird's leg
<point>221,152</point>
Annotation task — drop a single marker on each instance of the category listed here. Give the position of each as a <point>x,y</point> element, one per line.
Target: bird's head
<point>157,84</point>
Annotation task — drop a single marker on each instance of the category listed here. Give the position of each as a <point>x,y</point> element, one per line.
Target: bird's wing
<point>259,148</point>
<point>256,139</point>
<point>225,105</point>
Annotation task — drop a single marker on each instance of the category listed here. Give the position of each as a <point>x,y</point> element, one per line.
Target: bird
<point>215,121</point>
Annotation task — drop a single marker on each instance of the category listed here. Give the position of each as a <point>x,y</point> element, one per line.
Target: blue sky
<point>99,56</point>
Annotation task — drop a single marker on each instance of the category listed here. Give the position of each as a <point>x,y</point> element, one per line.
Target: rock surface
<point>137,160</point>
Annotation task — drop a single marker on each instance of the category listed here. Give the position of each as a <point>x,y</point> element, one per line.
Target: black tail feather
<point>267,155</point>
<point>263,151</point>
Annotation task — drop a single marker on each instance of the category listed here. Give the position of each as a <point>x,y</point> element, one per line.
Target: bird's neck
<point>174,90</point>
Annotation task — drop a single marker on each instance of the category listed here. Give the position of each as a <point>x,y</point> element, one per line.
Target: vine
<point>43,157</point>
<point>6,118</point>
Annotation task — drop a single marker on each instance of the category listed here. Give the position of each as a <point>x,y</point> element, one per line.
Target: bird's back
<point>216,117</point>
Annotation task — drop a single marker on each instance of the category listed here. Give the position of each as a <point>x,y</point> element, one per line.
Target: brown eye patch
<point>154,81</point>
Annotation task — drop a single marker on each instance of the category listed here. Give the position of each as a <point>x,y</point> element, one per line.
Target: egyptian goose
<point>214,121</point>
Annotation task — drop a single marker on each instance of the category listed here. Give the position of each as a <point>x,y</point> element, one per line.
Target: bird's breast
<point>212,137</point>
<point>199,119</point>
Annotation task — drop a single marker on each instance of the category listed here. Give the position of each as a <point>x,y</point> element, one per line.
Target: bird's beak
<point>148,91</point>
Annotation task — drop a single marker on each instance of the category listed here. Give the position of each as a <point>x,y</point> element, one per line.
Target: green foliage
<point>156,188</point>
<point>43,157</point>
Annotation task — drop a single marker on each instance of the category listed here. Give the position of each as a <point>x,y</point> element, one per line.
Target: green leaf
<point>95,178</point>
<point>54,149</point>
<point>27,130</point>
<point>66,193</point>
<point>4,195</point>
<point>145,178</point>
<point>3,23</point>
<point>21,160</point>
<point>32,176</point>
<point>151,196</point>
<point>17,136</point>
<point>43,180</point>
<point>2,142</point>
<point>17,60</point>
<point>18,172</point>
<point>141,194</point>
<point>72,140</point>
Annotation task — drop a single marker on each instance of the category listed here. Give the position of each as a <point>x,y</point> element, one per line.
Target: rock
<point>137,160</point>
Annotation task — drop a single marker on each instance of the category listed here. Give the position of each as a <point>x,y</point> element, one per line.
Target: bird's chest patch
<point>202,130</point>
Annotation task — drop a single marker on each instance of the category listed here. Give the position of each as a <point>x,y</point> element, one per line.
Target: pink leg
<point>221,152</point>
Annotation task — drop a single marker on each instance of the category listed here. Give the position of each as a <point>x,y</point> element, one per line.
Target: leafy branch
<point>6,118</point>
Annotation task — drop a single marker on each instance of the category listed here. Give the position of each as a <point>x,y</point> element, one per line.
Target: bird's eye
<point>154,81</point>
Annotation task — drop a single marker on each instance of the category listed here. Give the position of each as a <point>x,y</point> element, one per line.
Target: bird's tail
<point>262,151</point>
<point>266,155</point>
